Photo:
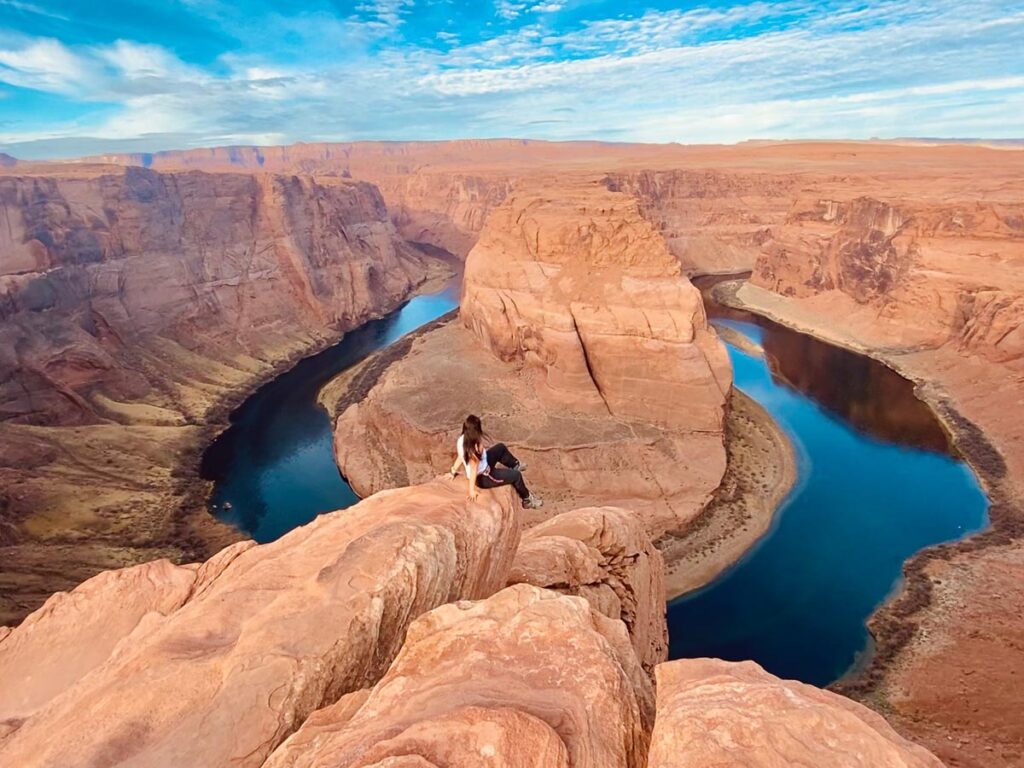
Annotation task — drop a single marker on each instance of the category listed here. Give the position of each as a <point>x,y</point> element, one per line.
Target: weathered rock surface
<point>589,354</point>
<point>526,677</point>
<point>132,303</point>
<point>570,279</point>
<point>604,555</point>
<point>719,713</point>
<point>217,664</point>
<point>713,221</point>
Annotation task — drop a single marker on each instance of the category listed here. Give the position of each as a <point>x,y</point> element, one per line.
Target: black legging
<point>504,475</point>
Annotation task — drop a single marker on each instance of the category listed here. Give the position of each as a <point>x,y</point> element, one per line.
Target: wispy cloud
<point>788,69</point>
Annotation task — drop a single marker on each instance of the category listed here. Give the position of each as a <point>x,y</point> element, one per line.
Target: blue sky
<point>80,77</point>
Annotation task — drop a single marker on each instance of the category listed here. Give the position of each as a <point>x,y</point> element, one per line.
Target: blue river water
<point>273,468</point>
<point>877,484</point>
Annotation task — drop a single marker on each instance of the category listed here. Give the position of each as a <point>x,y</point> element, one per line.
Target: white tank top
<point>482,468</point>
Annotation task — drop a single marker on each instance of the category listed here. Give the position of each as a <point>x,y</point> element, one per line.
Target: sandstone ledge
<point>226,659</point>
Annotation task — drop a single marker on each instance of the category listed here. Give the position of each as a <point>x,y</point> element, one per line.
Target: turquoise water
<point>876,484</point>
<point>275,465</point>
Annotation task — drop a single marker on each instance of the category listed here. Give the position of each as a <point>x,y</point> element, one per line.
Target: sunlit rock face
<point>120,286</point>
<point>217,663</point>
<point>605,555</point>
<point>570,279</point>
<point>713,221</point>
<point>133,306</point>
<point>927,273</point>
<point>713,712</point>
<point>546,667</point>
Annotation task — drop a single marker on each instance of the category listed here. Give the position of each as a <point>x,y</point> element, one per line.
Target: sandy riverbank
<point>761,471</point>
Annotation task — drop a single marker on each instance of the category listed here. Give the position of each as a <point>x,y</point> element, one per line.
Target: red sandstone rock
<point>713,221</point>
<point>718,713</point>
<point>138,301</point>
<point>260,642</point>
<point>604,555</point>
<point>525,678</point>
<point>590,354</point>
<point>570,279</point>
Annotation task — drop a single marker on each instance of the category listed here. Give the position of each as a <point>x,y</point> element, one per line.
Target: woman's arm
<point>472,464</point>
<point>456,465</point>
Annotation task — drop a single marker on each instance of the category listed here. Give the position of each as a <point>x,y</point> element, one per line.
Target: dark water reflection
<point>869,396</point>
<point>876,484</point>
<point>275,465</point>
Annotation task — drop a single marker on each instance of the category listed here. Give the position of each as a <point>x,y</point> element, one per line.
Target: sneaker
<point>532,502</point>
<point>521,466</point>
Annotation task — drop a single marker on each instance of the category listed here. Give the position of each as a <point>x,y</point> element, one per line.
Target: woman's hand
<point>473,492</point>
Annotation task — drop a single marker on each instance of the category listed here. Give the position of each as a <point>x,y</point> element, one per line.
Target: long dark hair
<point>473,437</point>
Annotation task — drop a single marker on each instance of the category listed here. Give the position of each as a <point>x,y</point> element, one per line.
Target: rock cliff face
<point>132,304</point>
<point>914,274</point>
<point>571,280</point>
<point>382,635</point>
<point>507,654</point>
<point>714,222</point>
<point>585,348</point>
<point>218,663</point>
<point>604,555</point>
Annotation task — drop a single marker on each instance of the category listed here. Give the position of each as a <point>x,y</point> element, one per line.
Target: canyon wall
<point>133,305</point>
<point>384,635</point>
<point>580,343</point>
<point>929,277</point>
<point>713,221</point>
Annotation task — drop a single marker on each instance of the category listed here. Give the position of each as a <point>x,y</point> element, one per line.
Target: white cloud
<point>787,69</point>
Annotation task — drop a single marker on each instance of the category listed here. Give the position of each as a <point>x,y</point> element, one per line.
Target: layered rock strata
<point>216,664</point>
<point>583,347</point>
<point>133,306</point>
<point>713,221</point>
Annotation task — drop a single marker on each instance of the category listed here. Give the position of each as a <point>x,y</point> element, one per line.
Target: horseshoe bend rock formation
<point>570,279</point>
<point>604,555</point>
<point>582,345</point>
<point>713,712</point>
<point>216,664</point>
<point>527,660</point>
<point>131,304</point>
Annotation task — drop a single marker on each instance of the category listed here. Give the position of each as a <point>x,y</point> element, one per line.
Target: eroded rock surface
<point>217,664</point>
<point>719,713</point>
<point>713,221</point>
<point>604,555</point>
<point>132,304</point>
<point>582,345</point>
<point>570,279</point>
<point>531,676</point>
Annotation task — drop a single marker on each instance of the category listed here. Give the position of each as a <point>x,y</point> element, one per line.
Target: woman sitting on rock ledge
<point>482,464</point>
